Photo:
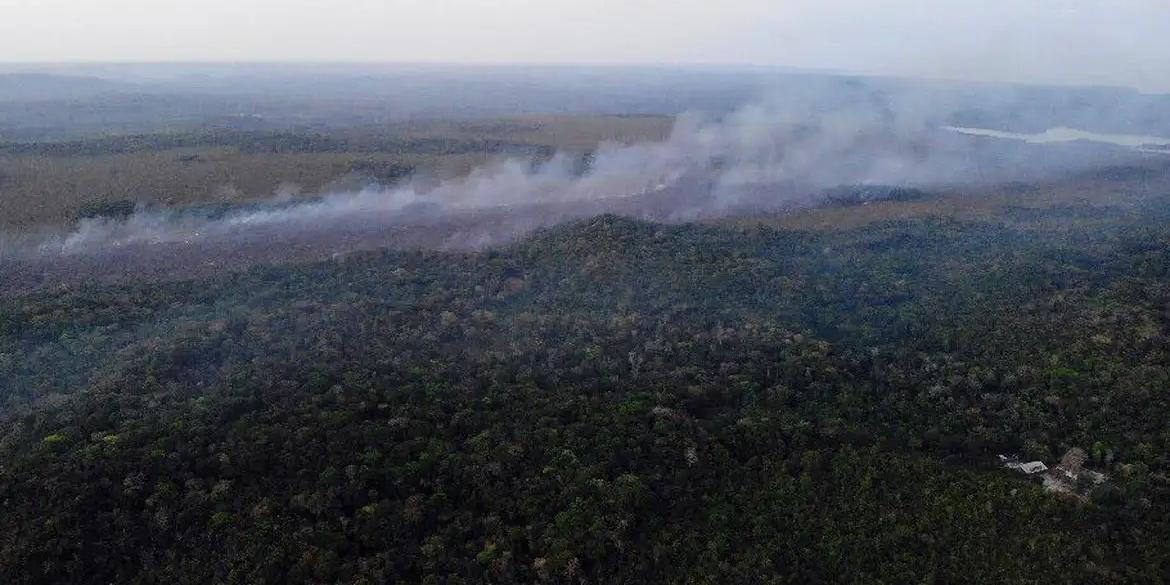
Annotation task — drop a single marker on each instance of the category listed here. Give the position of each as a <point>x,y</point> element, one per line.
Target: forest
<point>442,324</point>
<point>611,401</point>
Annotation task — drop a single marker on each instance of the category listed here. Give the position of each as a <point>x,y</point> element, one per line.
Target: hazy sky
<point>1120,42</point>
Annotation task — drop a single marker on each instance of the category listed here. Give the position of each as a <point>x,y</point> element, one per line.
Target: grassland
<point>52,183</point>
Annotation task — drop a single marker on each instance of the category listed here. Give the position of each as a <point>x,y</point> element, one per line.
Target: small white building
<point>1030,468</point>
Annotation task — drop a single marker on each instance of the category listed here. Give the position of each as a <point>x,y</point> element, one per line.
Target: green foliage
<point>220,519</point>
<point>680,404</point>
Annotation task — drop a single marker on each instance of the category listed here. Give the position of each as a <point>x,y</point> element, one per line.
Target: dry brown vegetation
<point>559,131</point>
<point>39,189</point>
<point>1006,204</point>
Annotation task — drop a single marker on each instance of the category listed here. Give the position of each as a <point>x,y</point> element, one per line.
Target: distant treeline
<point>256,142</point>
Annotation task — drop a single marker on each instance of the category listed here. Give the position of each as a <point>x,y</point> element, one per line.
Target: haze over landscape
<point>1086,42</point>
<point>584,292</point>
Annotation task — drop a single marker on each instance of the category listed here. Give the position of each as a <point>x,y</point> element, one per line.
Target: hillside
<point>608,401</point>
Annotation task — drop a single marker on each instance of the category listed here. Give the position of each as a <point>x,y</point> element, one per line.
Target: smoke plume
<point>775,154</point>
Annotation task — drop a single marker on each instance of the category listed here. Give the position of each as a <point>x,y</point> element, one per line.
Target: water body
<point>1063,134</point>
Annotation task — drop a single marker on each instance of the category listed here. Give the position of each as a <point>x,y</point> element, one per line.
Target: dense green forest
<point>609,401</point>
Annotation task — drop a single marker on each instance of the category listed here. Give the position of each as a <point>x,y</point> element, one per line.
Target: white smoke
<point>768,155</point>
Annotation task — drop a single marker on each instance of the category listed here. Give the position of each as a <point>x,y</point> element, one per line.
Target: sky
<point>1100,42</point>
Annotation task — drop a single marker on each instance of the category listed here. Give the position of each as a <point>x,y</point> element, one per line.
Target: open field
<point>52,183</point>
<point>1102,195</point>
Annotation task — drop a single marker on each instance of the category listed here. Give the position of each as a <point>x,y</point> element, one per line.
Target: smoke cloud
<point>775,154</point>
